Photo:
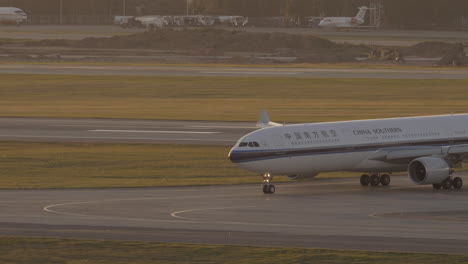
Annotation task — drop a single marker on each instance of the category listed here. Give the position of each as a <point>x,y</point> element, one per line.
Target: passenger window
<point>243,144</point>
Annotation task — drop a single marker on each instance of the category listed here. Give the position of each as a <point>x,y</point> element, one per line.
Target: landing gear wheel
<point>385,180</point>
<point>374,180</point>
<point>269,189</point>
<point>365,180</point>
<point>447,184</point>
<point>436,186</point>
<point>457,183</point>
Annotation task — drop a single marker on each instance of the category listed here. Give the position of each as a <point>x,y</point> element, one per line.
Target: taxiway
<point>337,214</point>
<point>123,130</point>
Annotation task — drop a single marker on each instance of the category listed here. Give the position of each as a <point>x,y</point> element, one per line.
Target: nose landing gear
<point>268,188</point>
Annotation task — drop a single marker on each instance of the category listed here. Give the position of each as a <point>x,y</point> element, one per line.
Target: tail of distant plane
<point>361,14</point>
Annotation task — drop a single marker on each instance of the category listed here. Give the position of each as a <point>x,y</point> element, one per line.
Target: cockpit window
<point>21,13</point>
<point>250,144</point>
<point>243,144</point>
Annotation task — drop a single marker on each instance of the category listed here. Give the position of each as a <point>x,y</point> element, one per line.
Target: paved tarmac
<point>337,214</point>
<point>123,130</point>
<point>223,71</point>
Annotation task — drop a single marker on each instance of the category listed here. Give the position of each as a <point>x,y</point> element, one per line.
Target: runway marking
<point>49,210</point>
<point>194,221</point>
<point>154,131</point>
<point>252,127</point>
<point>249,73</point>
<point>175,214</point>
<point>117,138</point>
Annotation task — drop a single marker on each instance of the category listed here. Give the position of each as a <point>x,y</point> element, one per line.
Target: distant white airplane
<point>12,15</point>
<point>344,22</point>
<point>427,147</point>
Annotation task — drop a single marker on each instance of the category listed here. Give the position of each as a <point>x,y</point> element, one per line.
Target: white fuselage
<point>344,22</point>
<point>12,15</point>
<point>340,22</point>
<point>308,149</point>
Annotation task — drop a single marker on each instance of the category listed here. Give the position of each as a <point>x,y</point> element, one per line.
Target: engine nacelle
<point>428,170</point>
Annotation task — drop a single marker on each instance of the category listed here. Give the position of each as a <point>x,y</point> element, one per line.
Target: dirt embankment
<point>218,42</point>
<point>169,39</point>
<point>429,49</point>
<point>225,46</point>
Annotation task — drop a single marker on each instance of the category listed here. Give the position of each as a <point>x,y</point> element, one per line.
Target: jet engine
<point>428,170</point>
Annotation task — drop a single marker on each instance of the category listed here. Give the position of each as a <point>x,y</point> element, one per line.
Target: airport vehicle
<point>344,22</point>
<point>152,22</point>
<point>12,15</point>
<point>206,21</point>
<point>178,21</point>
<point>125,21</point>
<point>232,21</point>
<point>427,147</point>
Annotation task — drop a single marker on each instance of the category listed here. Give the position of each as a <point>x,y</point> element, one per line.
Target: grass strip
<point>227,98</point>
<point>41,165</point>
<point>48,250</point>
<point>27,165</point>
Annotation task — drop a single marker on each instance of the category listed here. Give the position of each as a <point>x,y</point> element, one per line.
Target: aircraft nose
<point>234,156</point>
<point>231,155</point>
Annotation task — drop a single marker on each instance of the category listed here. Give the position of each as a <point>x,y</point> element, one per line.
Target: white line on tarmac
<point>249,73</point>
<point>154,131</point>
<point>115,138</point>
<point>176,214</point>
<point>252,127</point>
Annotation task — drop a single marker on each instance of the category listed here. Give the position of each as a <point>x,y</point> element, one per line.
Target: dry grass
<point>41,250</point>
<point>224,98</point>
<point>81,165</point>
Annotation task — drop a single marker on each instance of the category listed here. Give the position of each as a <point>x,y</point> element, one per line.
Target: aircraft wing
<point>406,154</point>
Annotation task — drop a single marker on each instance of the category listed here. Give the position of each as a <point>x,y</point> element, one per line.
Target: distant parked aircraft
<point>12,15</point>
<point>345,22</point>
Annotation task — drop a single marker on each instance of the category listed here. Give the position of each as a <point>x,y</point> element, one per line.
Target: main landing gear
<point>375,179</point>
<point>268,188</point>
<point>456,183</point>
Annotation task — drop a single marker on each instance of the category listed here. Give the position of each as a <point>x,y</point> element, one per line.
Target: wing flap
<point>405,153</point>
<point>462,149</point>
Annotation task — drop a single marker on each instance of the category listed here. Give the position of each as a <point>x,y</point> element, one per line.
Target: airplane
<point>12,15</point>
<point>427,147</point>
<point>344,22</point>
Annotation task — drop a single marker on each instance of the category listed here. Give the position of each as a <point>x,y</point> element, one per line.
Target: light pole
<point>61,12</point>
<point>187,7</point>
<point>124,7</point>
